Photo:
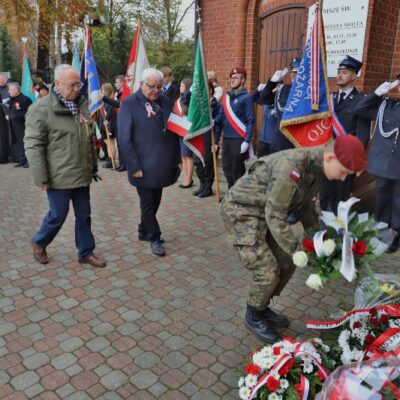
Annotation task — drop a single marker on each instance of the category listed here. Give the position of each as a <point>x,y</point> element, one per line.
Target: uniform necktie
<point>341,97</point>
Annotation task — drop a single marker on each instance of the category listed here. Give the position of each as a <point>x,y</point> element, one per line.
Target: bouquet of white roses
<point>346,246</point>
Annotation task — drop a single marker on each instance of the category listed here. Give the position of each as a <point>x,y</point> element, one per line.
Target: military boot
<point>256,323</point>
<point>277,320</point>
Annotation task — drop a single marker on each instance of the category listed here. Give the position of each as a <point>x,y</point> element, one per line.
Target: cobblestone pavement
<point>143,327</point>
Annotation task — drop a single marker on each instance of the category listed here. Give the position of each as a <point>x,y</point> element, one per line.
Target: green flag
<point>199,113</point>
<point>27,84</point>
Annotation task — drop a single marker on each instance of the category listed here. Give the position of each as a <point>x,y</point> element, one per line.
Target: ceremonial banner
<point>137,62</point>
<point>199,113</point>
<point>95,96</point>
<point>27,84</point>
<point>306,120</point>
<point>76,64</point>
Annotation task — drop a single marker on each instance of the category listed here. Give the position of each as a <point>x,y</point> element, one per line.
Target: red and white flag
<point>137,62</point>
<point>178,124</point>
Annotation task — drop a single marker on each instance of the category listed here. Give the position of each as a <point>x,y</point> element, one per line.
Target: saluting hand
<point>138,174</point>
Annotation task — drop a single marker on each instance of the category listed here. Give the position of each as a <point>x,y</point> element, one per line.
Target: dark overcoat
<point>145,142</point>
<point>18,106</point>
<point>384,153</point>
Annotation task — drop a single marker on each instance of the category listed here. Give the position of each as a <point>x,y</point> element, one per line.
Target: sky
<point>188,22</point>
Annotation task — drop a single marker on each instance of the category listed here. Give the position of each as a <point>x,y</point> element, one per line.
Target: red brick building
<point>264,35</point>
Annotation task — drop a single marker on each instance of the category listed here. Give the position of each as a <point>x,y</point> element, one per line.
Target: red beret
<point>350,152</point>
<point>241,71</point>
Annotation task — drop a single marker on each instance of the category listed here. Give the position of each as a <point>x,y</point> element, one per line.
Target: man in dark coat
<point>4,131</point>
<point>343,103</point>
<point>384,155</point>
<point>170,89</point>
<point>18,106</point>
<point>151,153</point>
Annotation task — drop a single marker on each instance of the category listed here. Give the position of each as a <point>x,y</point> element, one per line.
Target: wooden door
<point>281,39</point>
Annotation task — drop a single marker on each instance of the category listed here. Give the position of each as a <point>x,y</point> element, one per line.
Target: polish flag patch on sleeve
<point>295,175</point>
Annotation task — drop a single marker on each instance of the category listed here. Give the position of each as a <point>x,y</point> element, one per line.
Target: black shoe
<point>292,218</point>
<point>199,190</point>
<point>394,245</point>
<point>280,321</point>
<point>256,323</point>
<point>157,249</point>
<point>121,168</point>
<point>26,165</point>
<point>144,238</point>
<point>18,165</point>
<point>206,193</point>
<point>107,165</point>
<point>186,186</point>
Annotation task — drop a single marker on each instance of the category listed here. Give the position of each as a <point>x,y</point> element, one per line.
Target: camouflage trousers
<point>270,266</point>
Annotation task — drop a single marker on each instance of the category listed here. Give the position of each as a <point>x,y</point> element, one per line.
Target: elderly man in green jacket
<point>61,153</point>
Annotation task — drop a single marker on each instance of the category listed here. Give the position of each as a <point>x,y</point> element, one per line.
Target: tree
<point>7,57</point>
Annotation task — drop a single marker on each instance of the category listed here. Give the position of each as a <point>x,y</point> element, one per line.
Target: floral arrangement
<point>369,334</point>
<point>345,247</point>
<point>286,370</point>
<point>377,379</point>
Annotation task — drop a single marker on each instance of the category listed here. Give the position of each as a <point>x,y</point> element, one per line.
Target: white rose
<point>300,259</point>
<point>314,281</point>
<point>329,246</point>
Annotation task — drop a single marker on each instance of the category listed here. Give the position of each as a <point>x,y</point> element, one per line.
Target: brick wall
<point>231,34</point>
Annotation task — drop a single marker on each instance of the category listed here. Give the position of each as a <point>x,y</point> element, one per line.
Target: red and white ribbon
<point>234,121</point>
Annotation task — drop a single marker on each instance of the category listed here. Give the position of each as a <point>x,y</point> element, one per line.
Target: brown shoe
<point>39,253</point>
<point>93,261</point>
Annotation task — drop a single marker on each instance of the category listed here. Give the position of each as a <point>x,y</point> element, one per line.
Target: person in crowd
<point>218,90</point>
<point>111,123</point>
<point>268,125</point>
<point>4,124</point>
<point>151,153</point>
<point>384,155</point>
<point>255,209</point>
<point>343,102</point>
<point>276,93</point>
<point>186,154</point>
<point>170,88</point>
<point>119,85</point>
<point>17,108</point>
<point>43,91</point>
<point>60,149</point>
<point>237,123</point>
<point>205,172</point>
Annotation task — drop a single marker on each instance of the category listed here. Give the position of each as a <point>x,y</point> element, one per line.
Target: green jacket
<point>58,145</point>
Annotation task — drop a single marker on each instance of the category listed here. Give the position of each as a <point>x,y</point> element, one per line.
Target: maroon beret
<point>350,152</point>
<point>241,71</point>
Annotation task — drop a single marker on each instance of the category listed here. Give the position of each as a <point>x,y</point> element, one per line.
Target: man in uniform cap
<point>237,121</point>
<point>384,155</point>
<point>343,103</point>
<point>255,209</point>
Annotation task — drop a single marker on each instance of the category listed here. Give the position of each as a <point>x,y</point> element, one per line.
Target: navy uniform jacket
<point>384,153</point>
<point>242,105</point>
<point>277,99</point>
<point>269,122</point>
<point>172,92</point>
<point>145,142</point>
<point>356,125</point>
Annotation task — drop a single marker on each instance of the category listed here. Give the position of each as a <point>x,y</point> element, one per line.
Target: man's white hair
<point>60,69</point>
<point>15,84</point>
<point>148,72</point>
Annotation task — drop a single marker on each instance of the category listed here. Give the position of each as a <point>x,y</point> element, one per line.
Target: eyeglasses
<point>154,87</point>
<point>77,85</point>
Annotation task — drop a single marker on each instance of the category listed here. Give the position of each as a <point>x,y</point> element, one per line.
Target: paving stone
<point>143,379</point>
<point>147,360</point>
<point>24,380</point>
<point>113,380</point>
<point>103,328</point>
<point>97,344</point>
<point>68,303</point>
<point>175,359</point>
<point>71,344</point>
<point>36,360</point>
<point>4,378</point>
<point>34,390</point>
<point>63,361</point>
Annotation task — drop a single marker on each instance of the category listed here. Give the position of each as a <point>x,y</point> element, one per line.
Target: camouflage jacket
<point>275,185</point>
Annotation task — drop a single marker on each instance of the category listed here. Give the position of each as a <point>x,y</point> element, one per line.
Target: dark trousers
<point>59,206</point>
<point>264,149</point>
<point>205,172</point>
<point>387,201</point>
<point>19,146</point>
<point>150,200</point>
<point>332,192</point>
<point>232,161</point>
<point>120,159</point>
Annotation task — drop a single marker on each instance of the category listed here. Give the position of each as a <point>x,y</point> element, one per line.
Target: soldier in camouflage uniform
<point>255,209</point>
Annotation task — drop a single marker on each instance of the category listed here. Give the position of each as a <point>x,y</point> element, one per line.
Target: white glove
<point>244,147</point>
<point>279,75</point>
<point>383,89</point>
<point>261,87</point>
